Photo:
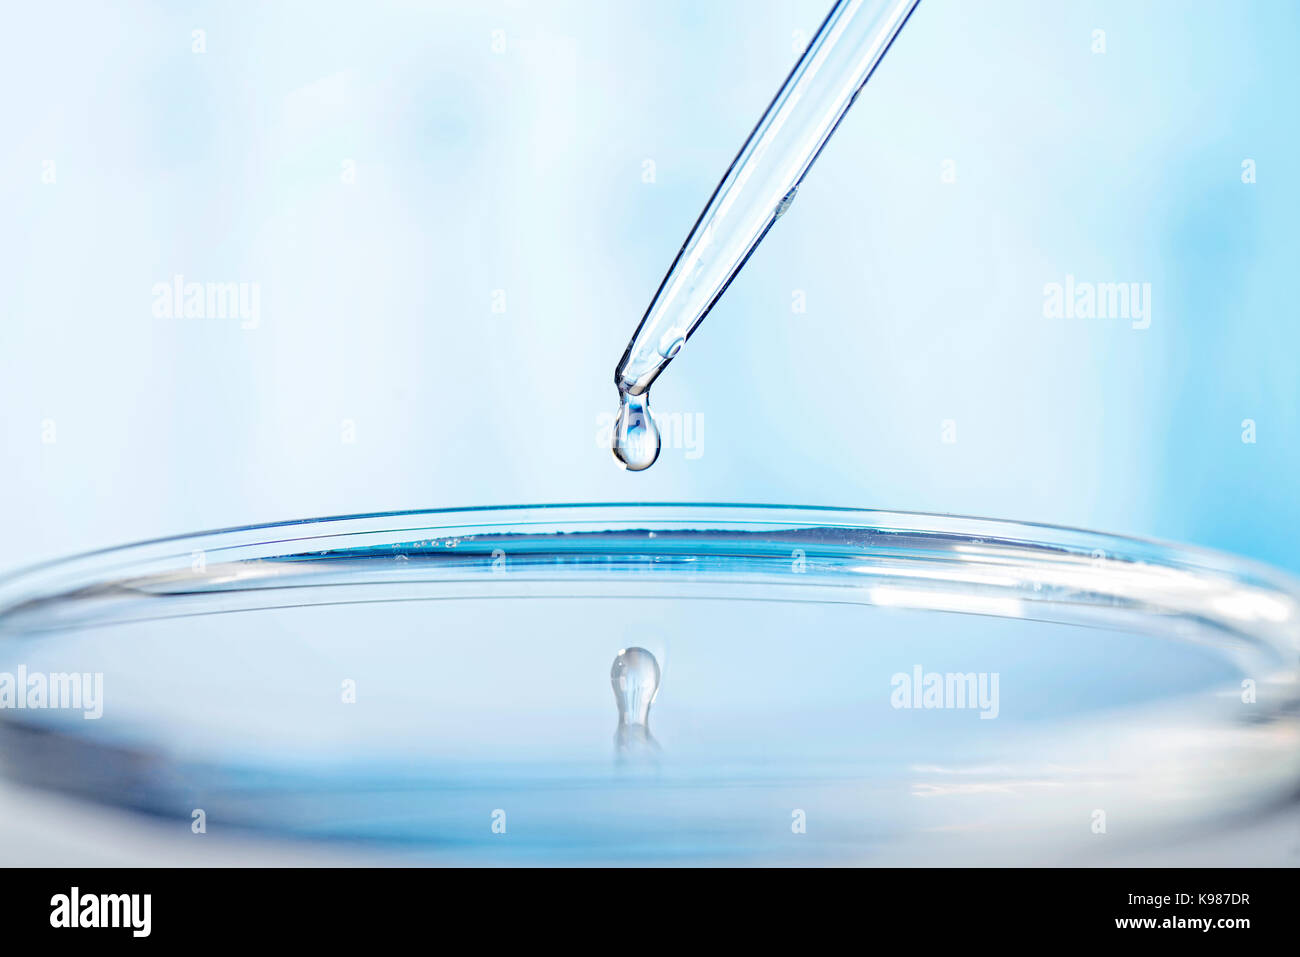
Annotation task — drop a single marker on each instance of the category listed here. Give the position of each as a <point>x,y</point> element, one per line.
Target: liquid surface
<point>411,723</point>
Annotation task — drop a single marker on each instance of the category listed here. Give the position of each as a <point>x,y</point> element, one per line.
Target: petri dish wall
<point>832,686</point>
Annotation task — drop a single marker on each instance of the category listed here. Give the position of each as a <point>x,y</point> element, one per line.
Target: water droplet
<point>671,342</point>
<point>635,440</point>
<point>635,678</point>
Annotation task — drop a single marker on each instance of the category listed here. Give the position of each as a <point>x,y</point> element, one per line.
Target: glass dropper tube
<point>761,182</point>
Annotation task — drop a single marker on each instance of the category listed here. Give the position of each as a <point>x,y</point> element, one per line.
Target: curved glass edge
<point>929,562</point>
<point>786,553</point>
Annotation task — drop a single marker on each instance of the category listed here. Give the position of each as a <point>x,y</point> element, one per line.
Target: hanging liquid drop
<point>635,440</point>
<point>635,679</point>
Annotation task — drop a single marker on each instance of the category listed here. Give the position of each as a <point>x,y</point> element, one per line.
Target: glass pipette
<point>756,190</point>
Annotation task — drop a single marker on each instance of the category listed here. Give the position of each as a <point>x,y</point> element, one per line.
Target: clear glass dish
<point>436,684</point>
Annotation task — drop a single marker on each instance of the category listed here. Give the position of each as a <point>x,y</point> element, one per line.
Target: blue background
<point>521,169</point>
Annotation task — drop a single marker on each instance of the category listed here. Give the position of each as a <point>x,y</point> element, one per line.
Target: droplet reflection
<point>635,679</point>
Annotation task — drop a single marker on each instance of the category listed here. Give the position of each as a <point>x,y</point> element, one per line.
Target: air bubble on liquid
<point>786,200</point>
<point>671,342</point>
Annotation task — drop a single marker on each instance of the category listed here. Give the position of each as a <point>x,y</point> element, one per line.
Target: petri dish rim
<point>929,562</point>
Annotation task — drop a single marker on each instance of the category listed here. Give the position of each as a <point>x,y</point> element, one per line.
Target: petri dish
<point>835,686</point>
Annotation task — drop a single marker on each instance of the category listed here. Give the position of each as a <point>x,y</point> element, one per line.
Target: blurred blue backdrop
<point>454,214</point>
